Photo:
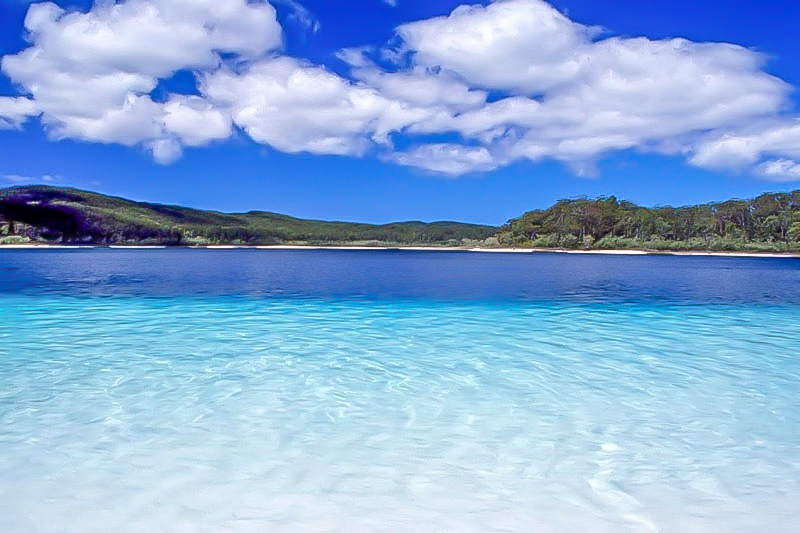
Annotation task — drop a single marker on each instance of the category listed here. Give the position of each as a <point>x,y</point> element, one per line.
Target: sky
<point>381,110</point>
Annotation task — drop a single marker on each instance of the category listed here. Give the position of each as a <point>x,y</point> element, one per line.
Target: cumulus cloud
<point>523,44</point>
<point>90,75</point>
<point>747,145</point>
<point>297,107</point>
<point>421,87</point>
<point>511,80</point>
<point>575,95</point>
<point>446,158</point>
<point>194,121</point>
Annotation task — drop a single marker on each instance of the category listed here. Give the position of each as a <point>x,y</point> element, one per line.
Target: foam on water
<point>250,414</point>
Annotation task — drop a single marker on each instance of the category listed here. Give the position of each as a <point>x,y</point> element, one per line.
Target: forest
<point>768,223</point>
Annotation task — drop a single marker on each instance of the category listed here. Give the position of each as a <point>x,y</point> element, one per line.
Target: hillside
<point>60,215</point>
<point>768,223</point>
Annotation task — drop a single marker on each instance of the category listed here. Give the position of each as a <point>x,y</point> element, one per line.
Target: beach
<point>497,250</point>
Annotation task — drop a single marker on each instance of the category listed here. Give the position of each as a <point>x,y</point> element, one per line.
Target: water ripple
<point>209,414</point>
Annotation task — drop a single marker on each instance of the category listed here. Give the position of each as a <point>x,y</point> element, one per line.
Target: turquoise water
<point>326,406</point>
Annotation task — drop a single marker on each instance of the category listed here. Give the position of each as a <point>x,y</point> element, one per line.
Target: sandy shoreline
<point>37,246</point>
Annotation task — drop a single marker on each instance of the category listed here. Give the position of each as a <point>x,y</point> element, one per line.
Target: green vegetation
<point>58,215</point>
<point>769,223</point>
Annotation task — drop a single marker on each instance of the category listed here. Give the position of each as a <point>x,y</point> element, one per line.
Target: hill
<point>768,223</point>
<point>61,215</point>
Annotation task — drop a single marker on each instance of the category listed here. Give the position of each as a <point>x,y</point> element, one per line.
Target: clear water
<point>193,390</point>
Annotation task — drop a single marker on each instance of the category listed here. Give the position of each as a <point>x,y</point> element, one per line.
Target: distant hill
<point>54,214</point>
<point>768,223</point>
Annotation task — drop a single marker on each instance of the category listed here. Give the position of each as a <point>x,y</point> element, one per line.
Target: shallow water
<point>380,391</point>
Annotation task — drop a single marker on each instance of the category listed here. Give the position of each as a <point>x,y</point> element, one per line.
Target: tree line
<point>770,222</point>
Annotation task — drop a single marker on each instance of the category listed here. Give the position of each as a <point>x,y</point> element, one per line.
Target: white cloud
<point>14,111</point>
<point>18,179</point>
<point>446,158</point>
<point>297,107</point>
<point>151,38</point>
<point>90,74</point>
<point>746,146</point>
<point>575,96</point>
<point>417,86</point>
<point>165,150</point>
<point>780,170</point>
<point>301,15</point>
<point>522,44</point>
<point>422,88</point>
<point>560,90</point>
<point>194,121</point>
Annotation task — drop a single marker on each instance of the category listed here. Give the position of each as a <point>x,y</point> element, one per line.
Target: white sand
<point>33,246</point>
<point>135,247</point>
<point>312,247</point>
<point>499,250</point>
<point>503,250</point>
<point>737,254</point>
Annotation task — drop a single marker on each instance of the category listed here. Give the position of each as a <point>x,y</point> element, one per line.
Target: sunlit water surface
<point>394,391</point>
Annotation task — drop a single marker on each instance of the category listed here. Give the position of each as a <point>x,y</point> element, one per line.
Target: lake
<point>321,390</point>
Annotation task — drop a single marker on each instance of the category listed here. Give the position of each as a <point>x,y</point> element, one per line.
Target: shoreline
<point>498,250</point>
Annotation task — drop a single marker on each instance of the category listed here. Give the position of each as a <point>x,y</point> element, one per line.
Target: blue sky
<point>401,112</point>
